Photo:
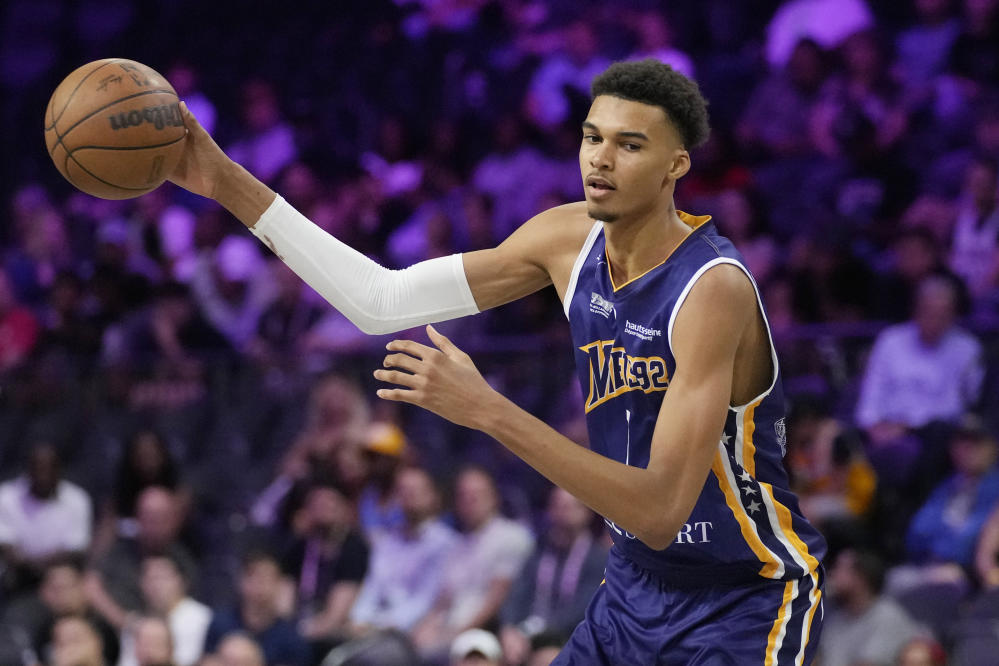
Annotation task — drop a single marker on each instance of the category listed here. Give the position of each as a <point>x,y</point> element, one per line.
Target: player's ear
<point>680,166</point>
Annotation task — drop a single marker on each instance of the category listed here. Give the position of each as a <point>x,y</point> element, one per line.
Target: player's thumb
<point>190,121</point>
<point>441,341</point>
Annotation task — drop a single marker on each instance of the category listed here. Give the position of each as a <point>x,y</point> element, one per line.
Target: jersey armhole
<point>759,303</point>
<point>578,265</point>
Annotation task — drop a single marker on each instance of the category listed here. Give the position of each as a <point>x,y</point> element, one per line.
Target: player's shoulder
<point>565,226</point>
<point>725,285</point>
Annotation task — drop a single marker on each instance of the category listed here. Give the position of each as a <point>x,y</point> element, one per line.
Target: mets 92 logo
<point>613,372</point>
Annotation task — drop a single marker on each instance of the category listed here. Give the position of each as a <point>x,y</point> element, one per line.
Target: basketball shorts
<point>635,619</point>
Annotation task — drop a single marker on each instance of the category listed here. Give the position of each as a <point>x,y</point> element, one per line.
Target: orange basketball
<point>114,128</point>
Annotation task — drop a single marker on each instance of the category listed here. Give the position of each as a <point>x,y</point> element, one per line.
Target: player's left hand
<point>443,380</point>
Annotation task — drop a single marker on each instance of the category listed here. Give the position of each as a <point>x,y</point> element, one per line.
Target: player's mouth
<point>598,186</point>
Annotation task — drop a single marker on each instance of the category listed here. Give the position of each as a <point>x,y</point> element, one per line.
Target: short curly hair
<point>655,83</point>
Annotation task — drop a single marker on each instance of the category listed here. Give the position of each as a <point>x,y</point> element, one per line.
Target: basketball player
<point>712,561</point>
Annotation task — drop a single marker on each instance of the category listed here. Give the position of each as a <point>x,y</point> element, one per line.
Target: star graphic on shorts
<point>749,489</point>
<point>753,506</point>
<point>745,476</point>
<point>725,439</point>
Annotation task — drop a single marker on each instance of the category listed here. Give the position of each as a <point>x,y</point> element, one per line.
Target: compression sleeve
<point>376,299</point>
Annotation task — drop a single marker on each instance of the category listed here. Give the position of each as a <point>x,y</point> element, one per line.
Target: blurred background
<point>189,438</point>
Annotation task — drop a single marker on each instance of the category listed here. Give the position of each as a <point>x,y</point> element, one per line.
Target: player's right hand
<point>203,162</point>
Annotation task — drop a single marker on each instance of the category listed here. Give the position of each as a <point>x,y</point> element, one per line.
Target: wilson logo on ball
<point>166,115</point>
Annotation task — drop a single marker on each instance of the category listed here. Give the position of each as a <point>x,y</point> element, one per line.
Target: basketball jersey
<point>746,522</point>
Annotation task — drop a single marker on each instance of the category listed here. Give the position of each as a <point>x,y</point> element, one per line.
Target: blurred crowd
<point>195,470</point>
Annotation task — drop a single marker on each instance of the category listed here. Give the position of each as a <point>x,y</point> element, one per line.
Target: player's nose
<point>602,156</point>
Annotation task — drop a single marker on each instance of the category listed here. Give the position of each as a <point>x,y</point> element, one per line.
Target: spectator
<point>268,144</point>
<point>975,245</point>
<point>476,647</point>
<point>563,77</point>
<point>923,48</point>
<point>153,642</point>
<point>861,624</point>
<point>238,649</point>
<point>827,22</point>
<point>775,122</point>
<point>61,594</point>
<point>407,562</point>
<point>922,652</point>
<point>42,517</point>
<point>146,462</point>
<point>947,527</point>
<point>113,581</point>
<point>165,594</point>
<point>914,255</point>
<point>232,289</point>
<point>378,506</point>
<point>18,327</point>
<point>553,589</point>
<point>75,642</point>
<point>480,569</point>
<point>654,37</point>
<point>327,564</point>
<point>925,370</point>
<point>261,588</point>
<point>987,553</point>
<point>975,56</point>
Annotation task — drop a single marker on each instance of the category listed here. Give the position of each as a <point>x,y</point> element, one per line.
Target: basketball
<point>114,128</point>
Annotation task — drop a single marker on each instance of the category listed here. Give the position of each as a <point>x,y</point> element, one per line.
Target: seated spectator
<point>974,254</point>
<point>480,569</point>
<point>258,616</point>
<point>923,371</point>
<point>146,462</point>
<point>654,37</point>
<point>834,481</point>
<point>775,121</point>
<point>861,625</point>
<point>337,417</point>
<point>378,506</point>
<point>553,589</point>
<point>476,647</point>
<point>42,516</point>
<point>913,256</point>
<point>327,563</point>
<point>947,527</point>
<point>827,22</point>
<point>922,652</point>
<point>564,76</point>
<point>75,642</point>
<point>114,579</point>
<point>268,143</point>
<point>987,553</point>
<point>407,563</point>
<point>61,594</point>
<point>153,642</point>
<point>18,327</point>
<point>164,591</point>
<point>237,649</point>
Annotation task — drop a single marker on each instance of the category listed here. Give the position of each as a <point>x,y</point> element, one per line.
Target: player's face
<point>629,158</point>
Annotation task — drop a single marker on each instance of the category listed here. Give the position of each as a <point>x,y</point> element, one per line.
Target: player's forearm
<point>242,194</point>
<point>637,500</point>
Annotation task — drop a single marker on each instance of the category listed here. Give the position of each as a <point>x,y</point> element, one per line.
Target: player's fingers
<point>441,341</point>
<point>410,347</point>
<point>402,361</point>
<point>397,377</point>
<point>397,395</point>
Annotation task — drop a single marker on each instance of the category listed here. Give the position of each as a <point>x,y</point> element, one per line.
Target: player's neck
<point>636,245</point>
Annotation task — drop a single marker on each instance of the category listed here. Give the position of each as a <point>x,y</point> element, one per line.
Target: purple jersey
<point>746,522</point>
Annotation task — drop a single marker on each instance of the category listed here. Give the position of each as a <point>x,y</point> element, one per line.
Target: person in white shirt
<point>42,516</point>
<point>164,589</point>
<point>479,569</point>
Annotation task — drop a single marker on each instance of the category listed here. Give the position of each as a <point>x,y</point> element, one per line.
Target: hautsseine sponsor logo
<point>601,306</point>
<point>613,372</point>
<point>642,332</point>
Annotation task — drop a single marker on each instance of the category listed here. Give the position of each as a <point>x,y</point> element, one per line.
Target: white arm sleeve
<point>376,299</point>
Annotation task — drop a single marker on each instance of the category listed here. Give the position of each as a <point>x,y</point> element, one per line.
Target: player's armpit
<point>541,252</point>
<point>707,333</point>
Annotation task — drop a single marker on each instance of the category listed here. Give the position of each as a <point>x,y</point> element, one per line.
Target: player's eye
<point>591,138</point>
<point>632,147</point>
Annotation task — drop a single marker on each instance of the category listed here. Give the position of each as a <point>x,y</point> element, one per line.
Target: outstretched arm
<point>376,299</point>
<point>651,503</point>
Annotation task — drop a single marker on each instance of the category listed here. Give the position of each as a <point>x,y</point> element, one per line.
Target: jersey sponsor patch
<point>780,429</point>
<point>601,306</point>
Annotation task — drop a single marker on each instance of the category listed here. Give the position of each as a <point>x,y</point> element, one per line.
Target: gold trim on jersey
<point>692,221</point>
